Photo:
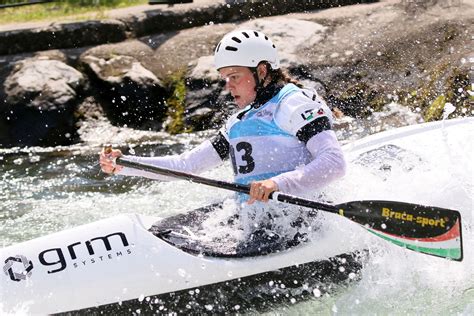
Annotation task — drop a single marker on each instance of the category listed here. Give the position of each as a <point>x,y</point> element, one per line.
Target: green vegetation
<point>176,104</point>
<point>435,110</point>
<point>62,10</point>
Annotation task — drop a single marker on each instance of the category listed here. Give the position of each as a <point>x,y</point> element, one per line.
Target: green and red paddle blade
<point>426,229</point>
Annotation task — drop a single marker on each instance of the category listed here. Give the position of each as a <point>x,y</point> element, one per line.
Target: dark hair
<point>284,76</point>
<point>280,76</point>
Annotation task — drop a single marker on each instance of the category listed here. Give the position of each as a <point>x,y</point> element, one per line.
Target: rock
<point>43,84</point>
<point>359,57</point>
<point>41,96</point>
<point>207,105</point>
<point>66,35</point>
<point>140,50</point>
<point>290,36</point>
<point>130,94</point>
<point>183,48</point>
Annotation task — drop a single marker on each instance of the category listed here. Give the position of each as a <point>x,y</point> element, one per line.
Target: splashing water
<point>48,190</point>
<point>447,110</point>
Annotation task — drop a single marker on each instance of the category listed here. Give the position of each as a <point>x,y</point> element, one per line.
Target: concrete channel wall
<point>137,23</point>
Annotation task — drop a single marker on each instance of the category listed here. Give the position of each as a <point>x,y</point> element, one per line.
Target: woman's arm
<point>202,158</point>
<point>327,165</point>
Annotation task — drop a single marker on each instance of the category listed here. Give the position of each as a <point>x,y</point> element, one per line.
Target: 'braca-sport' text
<point>421,220</point>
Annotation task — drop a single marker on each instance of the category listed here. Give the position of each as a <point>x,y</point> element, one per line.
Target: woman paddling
<point>279,140</point>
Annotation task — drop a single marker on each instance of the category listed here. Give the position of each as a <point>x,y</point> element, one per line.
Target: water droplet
<point>448,109</point>
<point>317,293</point>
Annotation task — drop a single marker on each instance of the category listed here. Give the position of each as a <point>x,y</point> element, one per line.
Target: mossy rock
<point>456,85</point>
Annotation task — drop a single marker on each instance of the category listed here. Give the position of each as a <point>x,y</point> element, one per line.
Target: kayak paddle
<point>425,229</point>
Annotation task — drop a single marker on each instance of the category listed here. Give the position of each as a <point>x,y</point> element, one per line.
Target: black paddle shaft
<point>241,188</point>
<point>396,218</point>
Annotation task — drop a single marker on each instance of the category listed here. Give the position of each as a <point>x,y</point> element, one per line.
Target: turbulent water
<point>45,190</point>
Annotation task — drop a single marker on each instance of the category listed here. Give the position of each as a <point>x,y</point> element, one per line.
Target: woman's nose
<point>228,86</point>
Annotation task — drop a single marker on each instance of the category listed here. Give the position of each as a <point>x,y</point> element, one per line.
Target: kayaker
<point>280,139</point>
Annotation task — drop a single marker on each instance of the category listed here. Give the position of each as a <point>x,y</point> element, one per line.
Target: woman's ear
<point>262,71</point>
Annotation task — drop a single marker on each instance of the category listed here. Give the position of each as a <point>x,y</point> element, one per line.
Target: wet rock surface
<point>129,93</point>
<point>359,57</point>
<point>41,97</point>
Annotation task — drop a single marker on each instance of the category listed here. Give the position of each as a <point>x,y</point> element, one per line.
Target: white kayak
<point>120,260</point>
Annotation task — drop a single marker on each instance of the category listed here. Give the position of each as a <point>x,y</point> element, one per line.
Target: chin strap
<point>264,93</point>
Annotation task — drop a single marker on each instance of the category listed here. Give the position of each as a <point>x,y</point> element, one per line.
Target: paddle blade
<point>426,229</point>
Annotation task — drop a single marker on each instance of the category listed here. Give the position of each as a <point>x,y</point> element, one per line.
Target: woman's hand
<point>261,190</point>
<point>107,160</point>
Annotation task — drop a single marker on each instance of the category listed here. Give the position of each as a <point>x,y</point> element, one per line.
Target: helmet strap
<point>264,93</point>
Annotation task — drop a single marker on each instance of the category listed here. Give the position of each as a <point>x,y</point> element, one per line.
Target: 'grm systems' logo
<point>18,268</point>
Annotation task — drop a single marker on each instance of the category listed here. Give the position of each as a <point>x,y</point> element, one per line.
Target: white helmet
<point>245,48</point>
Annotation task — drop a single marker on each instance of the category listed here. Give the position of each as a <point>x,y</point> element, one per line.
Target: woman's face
<point>241,84</point>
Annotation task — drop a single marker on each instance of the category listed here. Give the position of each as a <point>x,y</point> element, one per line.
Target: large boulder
<point>41,96</point>
<point>130,94</point>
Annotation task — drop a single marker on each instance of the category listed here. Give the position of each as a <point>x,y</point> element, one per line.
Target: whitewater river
<point>45,190</point>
